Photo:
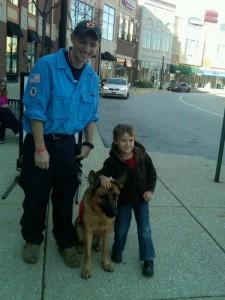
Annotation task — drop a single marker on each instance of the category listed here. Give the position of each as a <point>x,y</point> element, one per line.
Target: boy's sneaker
<point>70,257</point>
<point>31,253</point>
<point>116,257</point>
<point>2,142</point>
<point>148,268</point>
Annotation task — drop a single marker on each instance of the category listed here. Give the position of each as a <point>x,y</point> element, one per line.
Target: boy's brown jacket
<point>139,180</point>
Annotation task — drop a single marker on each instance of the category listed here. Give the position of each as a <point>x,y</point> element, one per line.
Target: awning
<point>33,36</point>
<point>213,73</point>
<point>48,42</point>
<point>14,29</point>
<point>185,70</point>
<point>110,56</point>
<point>103,56</point>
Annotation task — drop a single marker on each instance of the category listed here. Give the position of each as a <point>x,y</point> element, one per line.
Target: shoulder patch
<point>33,91</point>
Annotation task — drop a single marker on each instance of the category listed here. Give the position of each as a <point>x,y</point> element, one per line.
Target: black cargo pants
<point>59,183</point>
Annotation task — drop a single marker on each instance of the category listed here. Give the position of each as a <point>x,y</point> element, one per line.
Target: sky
<point>198,7</point>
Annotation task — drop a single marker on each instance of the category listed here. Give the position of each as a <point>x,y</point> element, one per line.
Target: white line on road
<point>200,108</point>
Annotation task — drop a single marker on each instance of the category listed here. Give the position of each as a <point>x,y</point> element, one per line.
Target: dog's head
<point>107,198</point>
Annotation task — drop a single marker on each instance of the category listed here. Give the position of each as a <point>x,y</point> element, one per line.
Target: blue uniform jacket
<point>54,98</point>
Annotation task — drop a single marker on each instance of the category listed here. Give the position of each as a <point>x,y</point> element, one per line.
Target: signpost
<point>220,155</point>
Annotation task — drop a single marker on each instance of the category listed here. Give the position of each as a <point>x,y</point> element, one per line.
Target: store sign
<point>129,3</point>
<point>211,16</point>
<point>195,21</point>
<point>127,63</point>
<point>120,60</point>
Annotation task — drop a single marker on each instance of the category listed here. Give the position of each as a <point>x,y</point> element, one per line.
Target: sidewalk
<point>187,219</point>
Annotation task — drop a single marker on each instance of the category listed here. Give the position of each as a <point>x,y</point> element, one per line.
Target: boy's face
<point>125,143</point>
<point>84,48</point>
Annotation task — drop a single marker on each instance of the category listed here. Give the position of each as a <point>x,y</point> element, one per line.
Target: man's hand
<point>41,160</point>
<point>84,152</point>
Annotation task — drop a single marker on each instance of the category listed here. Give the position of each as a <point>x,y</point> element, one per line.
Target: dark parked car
<point>179,87</point>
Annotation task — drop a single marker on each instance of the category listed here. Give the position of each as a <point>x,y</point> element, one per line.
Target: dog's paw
<point>86,274</point>
<point>107,267</point>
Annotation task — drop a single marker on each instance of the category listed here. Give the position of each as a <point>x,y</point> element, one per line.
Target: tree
<point>82,11</point>
<point>45,11</point>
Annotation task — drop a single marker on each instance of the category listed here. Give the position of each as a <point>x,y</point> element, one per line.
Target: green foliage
<point>145,84</point>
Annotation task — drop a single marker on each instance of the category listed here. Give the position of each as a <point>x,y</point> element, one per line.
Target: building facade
<point>143,40</point>
<point>21,26</point>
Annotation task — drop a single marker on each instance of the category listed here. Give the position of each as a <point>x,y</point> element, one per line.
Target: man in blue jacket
<point>60,99</point>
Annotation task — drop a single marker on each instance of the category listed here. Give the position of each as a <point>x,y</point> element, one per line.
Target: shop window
<point>12,58</point>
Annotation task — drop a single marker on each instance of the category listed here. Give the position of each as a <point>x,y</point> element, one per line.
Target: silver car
<point>116,87</point>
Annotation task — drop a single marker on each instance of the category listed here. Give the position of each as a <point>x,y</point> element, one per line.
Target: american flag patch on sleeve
<point>34,78</point>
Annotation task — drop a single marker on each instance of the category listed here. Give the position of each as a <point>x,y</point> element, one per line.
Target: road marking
<point>199,108</point>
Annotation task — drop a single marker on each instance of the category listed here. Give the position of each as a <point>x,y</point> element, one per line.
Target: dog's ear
<point>94,181</point>
<point>121,180</point>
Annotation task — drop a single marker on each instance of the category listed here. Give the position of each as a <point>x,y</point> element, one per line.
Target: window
<point>80,11</point>
<point>191,48</point>
<point>15,2</point>
<point>157,41</point>
<point>131,31</point>
<point>12,58</point>
<point>166,42</point>
<point>108,23</point>
<point>220,53</point>
<point>32,7</point>
<point>147,39</point>
<point>157,36</point>
<point>145,70</point>
<point>30,55</point>
<point>126,28</point>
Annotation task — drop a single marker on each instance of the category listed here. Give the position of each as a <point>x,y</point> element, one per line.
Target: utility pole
<point>161,75</point>
<point>63,24</point>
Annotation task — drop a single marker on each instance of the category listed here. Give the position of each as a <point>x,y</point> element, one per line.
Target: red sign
<point>210,19</point>
<point>211,13</point>
<point>211,16</point>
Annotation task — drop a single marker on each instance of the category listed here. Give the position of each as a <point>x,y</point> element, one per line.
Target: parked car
<point>116,87</point>
<point>179,87</point>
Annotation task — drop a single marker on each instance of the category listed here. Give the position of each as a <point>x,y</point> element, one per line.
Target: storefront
<point>107,65</point>
<point>124,68</point>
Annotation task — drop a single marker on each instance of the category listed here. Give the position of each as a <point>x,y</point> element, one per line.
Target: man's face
<point>84,48</point>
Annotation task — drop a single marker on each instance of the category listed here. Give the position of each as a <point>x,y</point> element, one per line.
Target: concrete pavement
<point>188,227</point>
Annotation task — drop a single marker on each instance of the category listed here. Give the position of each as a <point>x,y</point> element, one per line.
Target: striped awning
<point>213,73</point>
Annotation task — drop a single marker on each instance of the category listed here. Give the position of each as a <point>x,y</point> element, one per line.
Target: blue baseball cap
<point>85,26</point>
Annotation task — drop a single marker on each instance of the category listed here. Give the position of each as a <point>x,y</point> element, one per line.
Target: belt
<point>57,136</point>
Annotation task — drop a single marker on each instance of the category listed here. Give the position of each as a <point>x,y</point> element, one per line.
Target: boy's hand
<point>106,181</point>
<point>148,195</point>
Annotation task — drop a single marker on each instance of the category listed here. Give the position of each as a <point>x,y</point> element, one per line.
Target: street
<point>176,123</point>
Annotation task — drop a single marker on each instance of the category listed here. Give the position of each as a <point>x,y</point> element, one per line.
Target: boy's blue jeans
<point>122,225</point>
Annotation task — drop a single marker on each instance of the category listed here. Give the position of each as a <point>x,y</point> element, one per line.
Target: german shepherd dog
<point>98,209</point>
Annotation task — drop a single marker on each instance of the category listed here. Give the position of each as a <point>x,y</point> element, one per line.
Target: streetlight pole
<point>161,75</point>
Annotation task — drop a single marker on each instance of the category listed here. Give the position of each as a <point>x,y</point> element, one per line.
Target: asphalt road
<point>167,122</point>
